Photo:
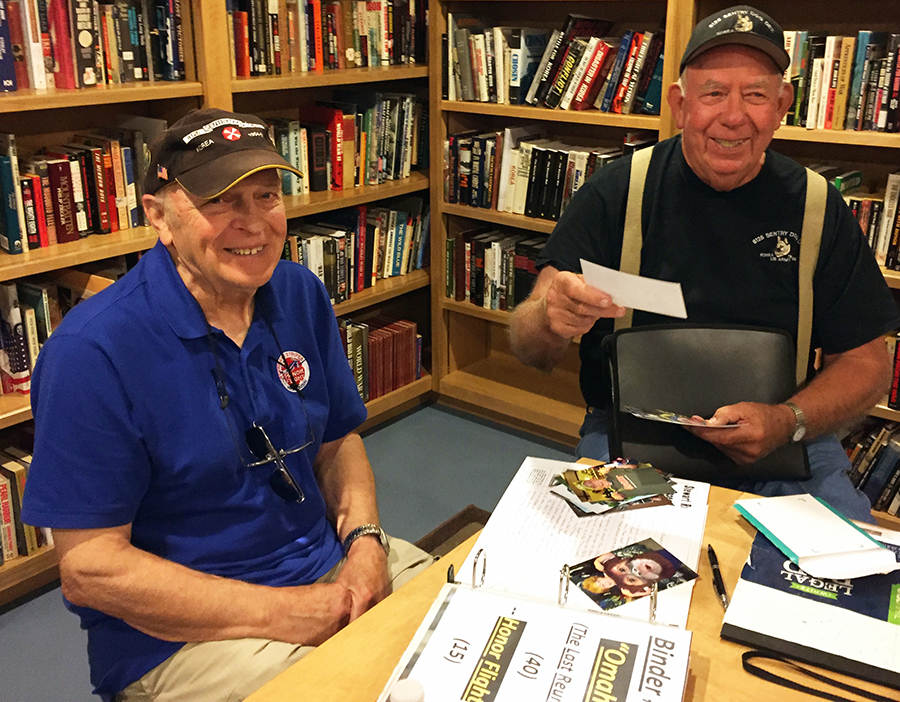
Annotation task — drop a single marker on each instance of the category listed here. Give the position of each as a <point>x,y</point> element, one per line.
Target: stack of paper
<point>817,538</point>
<point>608,486</point>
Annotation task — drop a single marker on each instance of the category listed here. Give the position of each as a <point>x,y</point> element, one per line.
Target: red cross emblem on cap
<point>231,133</point>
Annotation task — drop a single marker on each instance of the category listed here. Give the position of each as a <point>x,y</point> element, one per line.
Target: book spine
<point>31,218</point>
<point>63,201</point>
<point>7,60</point>
<point>616,72</point>
<point>17,43</point>
<point>61,39</point>
<point>86,44</point>
<point>7,526</point>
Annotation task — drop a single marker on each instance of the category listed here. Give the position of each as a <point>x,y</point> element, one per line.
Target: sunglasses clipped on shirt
<point>261,447</point>
<point>281,481</point>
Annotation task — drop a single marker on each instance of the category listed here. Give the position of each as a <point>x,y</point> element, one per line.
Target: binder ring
<point>563,596</point>
<point>478,557</point>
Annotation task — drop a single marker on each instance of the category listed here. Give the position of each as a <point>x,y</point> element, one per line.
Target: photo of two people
<point>625,574</point>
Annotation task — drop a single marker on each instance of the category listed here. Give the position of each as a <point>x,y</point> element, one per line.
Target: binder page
<point>477,645</point>
<point>532,533</point>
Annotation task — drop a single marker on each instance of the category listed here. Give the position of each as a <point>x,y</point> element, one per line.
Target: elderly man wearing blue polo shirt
<point>195,449</point>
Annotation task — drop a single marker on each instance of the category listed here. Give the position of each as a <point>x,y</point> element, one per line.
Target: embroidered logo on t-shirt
<point>778,246</point>
<point>293,370</point>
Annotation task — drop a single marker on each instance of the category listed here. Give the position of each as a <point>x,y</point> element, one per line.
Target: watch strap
<point>367,530</point>
<point>800,428</point>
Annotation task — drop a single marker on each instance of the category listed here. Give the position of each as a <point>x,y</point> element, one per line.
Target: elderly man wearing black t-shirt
<point>722,216</point>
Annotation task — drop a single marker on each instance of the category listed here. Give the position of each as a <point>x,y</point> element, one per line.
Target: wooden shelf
<point>828,136</point>
<point>543,114</point>
<point>31,99</point>
<point>21,575</point>
<point>467,308</point>
<point>892,278</point>
<point>884,412</point>
<point>398,401</point>
<point>14,409</point>
<point>73,253</point>
<point>503,386</point>
<point>505,219</point>
<point>383,290</point>
<point>328,200</point>
<point>336,77</point>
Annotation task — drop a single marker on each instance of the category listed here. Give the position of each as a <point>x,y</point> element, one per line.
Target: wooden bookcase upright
<point>39,118</point>
<point>472,364</point>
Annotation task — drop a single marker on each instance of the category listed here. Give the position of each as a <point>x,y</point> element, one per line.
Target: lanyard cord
<point>747,656</point>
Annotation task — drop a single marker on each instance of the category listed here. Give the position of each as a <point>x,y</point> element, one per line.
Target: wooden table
<point>355,664</point>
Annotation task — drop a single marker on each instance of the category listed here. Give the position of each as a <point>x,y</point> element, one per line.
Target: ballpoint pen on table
<point>718,583</point>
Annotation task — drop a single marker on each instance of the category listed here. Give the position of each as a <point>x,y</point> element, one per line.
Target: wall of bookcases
<point>472,364</point>
<point>46,117</point>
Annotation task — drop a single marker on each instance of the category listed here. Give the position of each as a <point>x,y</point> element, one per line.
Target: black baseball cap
<point>740,24</point>
<point>208,151</point>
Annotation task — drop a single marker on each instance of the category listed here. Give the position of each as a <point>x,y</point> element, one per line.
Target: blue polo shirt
<point>130,429</point>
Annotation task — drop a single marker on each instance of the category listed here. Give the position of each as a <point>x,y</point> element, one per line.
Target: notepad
<point>817,538</point>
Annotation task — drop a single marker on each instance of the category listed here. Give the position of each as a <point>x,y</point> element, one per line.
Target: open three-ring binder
<point>512,629</point>
<point>476,645</point>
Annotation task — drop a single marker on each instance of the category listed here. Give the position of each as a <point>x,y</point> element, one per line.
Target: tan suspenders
<point>810,239</point>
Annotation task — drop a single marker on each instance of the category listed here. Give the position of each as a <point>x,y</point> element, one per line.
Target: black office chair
<point>695,369</point>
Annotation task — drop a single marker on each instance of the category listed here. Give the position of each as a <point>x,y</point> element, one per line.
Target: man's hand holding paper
<point>573,306</point>
<point>760,430</point>
<point>636,292</point>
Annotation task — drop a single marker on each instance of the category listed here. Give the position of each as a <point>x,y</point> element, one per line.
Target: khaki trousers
<point>228,671</point>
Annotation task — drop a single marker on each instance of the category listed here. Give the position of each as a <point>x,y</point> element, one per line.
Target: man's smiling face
<point>732,101</point>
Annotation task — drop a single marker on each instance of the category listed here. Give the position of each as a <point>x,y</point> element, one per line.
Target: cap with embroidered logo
<point>209,151</point>
<point>740,24</point>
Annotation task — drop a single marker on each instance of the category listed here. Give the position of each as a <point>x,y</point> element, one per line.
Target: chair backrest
<point>695,369</point>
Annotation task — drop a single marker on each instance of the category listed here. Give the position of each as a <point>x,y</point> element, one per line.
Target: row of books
<point>350,249</point>
<point>356,139</point>
<point>384,354</point>
<point>874,452</point>
<point>576,67</point>
<point>492,268</point>
<point>16,538</point>
<point>31,308</point>
<point>67,44</point>
<point>519,170</point>
<point>877,212</point>
<point>277,37</point>
<point>90,185</point>
<point>840,83</point>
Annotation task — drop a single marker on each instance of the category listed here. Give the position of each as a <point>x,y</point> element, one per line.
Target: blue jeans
<point>828,464</point>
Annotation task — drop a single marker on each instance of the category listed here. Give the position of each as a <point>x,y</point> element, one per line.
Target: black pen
<point>718,584</point>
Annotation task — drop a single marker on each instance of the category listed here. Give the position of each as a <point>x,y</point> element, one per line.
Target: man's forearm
<point>347,484</point>
<point>175,603</point>
<point>848,385</point>
<point>530,336</point>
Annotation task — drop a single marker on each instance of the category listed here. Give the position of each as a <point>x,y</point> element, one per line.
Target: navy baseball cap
<point>208,151</point>
<point>740,24</point>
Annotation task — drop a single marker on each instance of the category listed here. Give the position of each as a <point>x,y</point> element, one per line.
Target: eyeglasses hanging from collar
<point>258,442</point>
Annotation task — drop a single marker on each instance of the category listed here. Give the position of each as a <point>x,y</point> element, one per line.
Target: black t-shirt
<point>735,254</point>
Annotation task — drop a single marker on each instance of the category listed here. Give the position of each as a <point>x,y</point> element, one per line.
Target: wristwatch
<point>367,530</point>
<point>800,428</point>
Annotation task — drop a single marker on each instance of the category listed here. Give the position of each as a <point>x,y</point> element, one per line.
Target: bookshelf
<point>473,367</point>
<point>43,117</point>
